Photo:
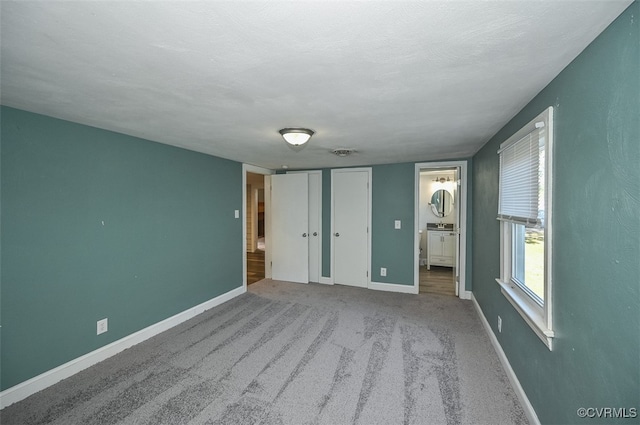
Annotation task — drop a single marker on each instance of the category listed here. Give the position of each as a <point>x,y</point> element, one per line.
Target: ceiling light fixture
<point>296,136</point>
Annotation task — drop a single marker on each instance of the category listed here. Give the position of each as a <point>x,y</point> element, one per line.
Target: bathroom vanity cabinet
<point>441,248</point>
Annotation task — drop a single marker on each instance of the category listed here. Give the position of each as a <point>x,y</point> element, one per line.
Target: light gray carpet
<point>288,353</point>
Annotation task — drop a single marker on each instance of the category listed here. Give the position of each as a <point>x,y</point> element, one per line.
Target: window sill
<point>532,314</point>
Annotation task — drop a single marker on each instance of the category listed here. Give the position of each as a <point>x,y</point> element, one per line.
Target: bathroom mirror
<point>441,203</point>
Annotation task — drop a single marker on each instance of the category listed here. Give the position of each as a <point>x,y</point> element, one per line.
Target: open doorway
<point>256,256</point>
<point>440,228</point>
<point>255,227</point>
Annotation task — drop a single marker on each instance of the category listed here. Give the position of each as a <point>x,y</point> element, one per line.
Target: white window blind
<point>521,172</point>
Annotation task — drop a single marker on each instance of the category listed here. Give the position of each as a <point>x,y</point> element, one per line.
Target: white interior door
<point>350,223</point>
<point>315,225</point>
<point>290,227</point>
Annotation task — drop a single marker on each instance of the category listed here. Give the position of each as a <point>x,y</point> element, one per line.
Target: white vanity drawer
<point>442,261</point>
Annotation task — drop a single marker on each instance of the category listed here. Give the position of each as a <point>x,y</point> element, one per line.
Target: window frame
<point>539,318</point>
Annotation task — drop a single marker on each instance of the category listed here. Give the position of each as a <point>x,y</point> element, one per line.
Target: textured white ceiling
<point>397,81</point>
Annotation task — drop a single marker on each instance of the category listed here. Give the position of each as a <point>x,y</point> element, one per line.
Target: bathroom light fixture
<point>296,136</point>
<point>442,179</point>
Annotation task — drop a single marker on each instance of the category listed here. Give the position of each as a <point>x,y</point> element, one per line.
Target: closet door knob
<point>337,234</point>
<point>315,233</point>
<point>304,235</point>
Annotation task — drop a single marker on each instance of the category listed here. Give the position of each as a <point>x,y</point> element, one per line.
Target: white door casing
<point>457,232</point>
<point>290,227</point>
<point>461,221</point>
<point>350,212</point>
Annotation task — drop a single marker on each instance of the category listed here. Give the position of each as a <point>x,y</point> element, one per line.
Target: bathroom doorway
<point>440,231</point>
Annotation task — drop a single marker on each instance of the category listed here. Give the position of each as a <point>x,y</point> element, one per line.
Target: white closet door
<point>290,227</point>
<point>350,207</point>
<point>315,225</point>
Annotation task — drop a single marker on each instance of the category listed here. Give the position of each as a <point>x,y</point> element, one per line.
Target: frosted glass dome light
<point>296,136</point>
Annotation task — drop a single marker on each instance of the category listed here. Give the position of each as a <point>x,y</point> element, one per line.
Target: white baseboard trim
<point>393,287</point>
<point>515,383</point>
<point>466,295</point>
<point>326,280</point>
<point>50,377</point>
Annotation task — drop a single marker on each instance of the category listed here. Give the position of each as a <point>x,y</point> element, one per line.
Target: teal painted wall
<point>169,239</point>
<point>393,198</point>
<point>596,251</point>
<point>326,223</point>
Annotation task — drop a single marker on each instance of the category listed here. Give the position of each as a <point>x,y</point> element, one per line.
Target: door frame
<point>248,168</point>
<point>369,172</point>
<point>462,224</point>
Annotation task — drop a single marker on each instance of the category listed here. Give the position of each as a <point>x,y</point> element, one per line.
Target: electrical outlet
<point>499,324</point>
<point>236,213</point>
<point>383,271</point>
<point>103,326</point>
<point>397,224</point>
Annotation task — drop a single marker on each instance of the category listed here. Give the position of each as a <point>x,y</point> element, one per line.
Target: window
<point>524,211</point>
